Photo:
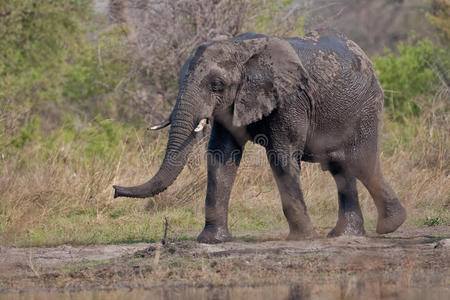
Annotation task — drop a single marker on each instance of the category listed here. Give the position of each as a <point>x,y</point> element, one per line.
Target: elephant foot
<point>349,224</point>
<point>339,231</point>
<point>304,235</point>
<point>214,236</point>
<point>395,215</point>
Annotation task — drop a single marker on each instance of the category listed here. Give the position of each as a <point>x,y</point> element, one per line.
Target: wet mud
<point>412,263</point>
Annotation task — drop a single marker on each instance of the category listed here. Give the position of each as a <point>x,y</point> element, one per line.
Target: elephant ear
<point>272,72</point>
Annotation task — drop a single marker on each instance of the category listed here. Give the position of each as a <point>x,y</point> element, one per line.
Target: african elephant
<point>314,99</point>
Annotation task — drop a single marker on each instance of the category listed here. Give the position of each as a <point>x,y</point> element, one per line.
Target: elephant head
<point>248,76</point>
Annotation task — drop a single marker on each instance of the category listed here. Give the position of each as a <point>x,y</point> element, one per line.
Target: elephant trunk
<point>182,136</point>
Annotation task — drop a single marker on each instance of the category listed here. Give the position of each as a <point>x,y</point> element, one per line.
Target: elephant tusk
<point>200,125</point>
<point>160,125</point>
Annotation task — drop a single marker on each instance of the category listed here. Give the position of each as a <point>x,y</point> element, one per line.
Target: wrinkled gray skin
<point>314,99</point>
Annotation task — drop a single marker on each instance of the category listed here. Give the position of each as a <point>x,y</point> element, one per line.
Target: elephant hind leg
<point>350,219</point>
<point>391,213</point>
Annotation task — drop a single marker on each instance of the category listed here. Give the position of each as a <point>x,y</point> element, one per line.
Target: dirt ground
<point>412,257</point>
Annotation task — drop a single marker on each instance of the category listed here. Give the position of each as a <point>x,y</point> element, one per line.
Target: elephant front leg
<point>224,155</point>
<point>286,173</point>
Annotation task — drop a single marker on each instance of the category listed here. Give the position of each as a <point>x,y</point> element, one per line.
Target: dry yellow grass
<point>66,201</point>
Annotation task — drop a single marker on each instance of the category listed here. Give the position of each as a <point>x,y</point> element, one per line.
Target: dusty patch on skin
<point>407,256</point>
<point>363,61</point>
<point>312,36</point>
<point>326,65</point>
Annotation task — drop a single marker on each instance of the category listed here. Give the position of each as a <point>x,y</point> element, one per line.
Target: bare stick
<point>31,265</point>
<point>166,226</point>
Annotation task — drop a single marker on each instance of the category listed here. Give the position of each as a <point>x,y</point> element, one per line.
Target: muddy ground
<point>411,258</point>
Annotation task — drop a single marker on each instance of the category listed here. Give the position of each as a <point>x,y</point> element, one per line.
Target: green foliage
<point>411,73</point>
<point>37,37</point>
<point>433,221</point>
<point>101,139</point>
<point>33,32</point>
<point>29,131</point>
<point>96,70</point>
<point>49,65</point>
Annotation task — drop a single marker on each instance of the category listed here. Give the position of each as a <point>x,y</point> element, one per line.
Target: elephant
<point>315,99</point>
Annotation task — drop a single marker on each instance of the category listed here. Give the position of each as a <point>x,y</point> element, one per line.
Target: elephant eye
<point>217,86</point>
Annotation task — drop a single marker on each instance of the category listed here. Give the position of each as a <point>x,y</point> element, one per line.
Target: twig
<point>30,263</point>
<point>166,226</point>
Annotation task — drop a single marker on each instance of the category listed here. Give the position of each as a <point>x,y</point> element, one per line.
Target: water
<point>352,289</point>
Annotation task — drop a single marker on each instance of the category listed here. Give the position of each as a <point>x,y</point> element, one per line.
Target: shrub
<point>433,221</point>
<point>37,39</point>
<point>411,73</point>
<point>57,58</point>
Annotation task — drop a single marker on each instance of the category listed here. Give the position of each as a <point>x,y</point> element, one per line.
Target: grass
<point>65,196</point>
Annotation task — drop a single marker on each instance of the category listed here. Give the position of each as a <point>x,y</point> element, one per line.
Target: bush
<point>37,39</point>
<point>410,74</point>
<point>56,58</point>
<point>433,221</point>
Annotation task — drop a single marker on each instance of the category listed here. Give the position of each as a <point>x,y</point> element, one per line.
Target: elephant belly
<point>323,156</point>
